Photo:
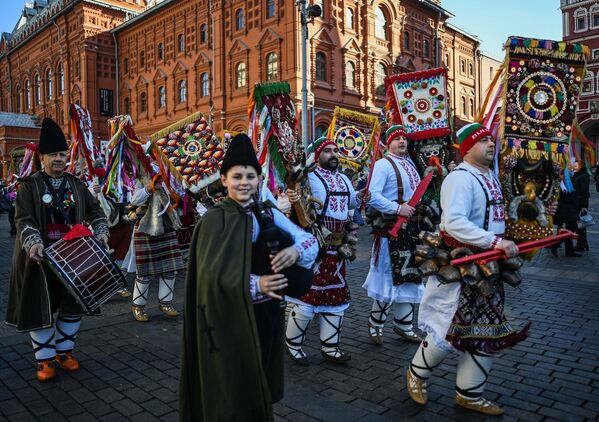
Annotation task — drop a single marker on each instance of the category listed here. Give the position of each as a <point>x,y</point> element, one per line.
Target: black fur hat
<point>51,138</point>
<point>240,152</point>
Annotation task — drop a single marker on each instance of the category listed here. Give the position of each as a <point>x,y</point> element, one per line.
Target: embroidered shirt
<point>336,182</point>
<point>383,184</point>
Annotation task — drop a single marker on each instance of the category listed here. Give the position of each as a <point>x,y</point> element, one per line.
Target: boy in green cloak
<point>233,332</point>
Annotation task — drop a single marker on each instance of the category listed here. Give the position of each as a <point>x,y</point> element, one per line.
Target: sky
<point>493,21</point>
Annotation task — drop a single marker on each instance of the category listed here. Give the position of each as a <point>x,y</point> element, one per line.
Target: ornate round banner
<point>541,97</point>
<point>351,142</point>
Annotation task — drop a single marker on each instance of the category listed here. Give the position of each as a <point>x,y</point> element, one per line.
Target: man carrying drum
<point>47,203</point>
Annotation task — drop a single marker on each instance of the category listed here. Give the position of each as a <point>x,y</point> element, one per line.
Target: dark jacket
<point>581,181</point>
<point>33,289</point>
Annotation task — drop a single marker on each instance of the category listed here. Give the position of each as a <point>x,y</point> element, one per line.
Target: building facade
<point>580,20</point>
<point>160,61</point>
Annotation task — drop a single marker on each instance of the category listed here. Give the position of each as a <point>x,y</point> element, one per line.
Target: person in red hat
<point>48,203</point>
<point>393,279</point>
<point>455,315</point>
<point>329,296</point>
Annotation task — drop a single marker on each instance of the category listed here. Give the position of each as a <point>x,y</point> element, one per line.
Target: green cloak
<point>222,378</point>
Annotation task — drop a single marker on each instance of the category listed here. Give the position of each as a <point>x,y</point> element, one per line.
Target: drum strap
<point>56,196</point>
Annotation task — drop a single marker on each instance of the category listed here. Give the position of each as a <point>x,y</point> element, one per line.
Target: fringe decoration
<point>487,345</point>
<point>176,126</point>
<point>262,90</point>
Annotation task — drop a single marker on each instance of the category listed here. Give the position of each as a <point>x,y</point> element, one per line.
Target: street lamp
<point>306,13</point>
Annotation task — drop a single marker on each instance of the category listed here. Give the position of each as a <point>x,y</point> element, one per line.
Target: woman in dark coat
<point>568,207</point>
<point>581,182</point>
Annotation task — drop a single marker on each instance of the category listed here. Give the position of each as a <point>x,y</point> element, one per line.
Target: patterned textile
<point>83,151</point>
<point>192,152</point>
<point>540,89</point>
<point>402,254</point>
<point>329,287</point>
<point>418,100</point>
<point>479,323</point>
<point>354,134</point>
<point>155,255</point>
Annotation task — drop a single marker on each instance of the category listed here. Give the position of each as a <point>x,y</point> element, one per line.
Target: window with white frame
<point>349,18</point>
<point>272,67</point>
<point>594,13</point>
<point>580,20</point>
<point>350,74</point>
<point>205,80</point>
<point>182,89</point>
<point>596,54</point>
<point>587,84</point>
<point>241,75</point>
<point>161,97</point>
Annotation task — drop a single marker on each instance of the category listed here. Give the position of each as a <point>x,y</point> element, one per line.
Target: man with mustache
<point>48,203</point>
<point>458,316</point>
<point>393,278</point>
<point>329,295</point>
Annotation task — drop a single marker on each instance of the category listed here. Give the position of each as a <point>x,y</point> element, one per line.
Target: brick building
<point>162,60</point>
<point>580,20</point>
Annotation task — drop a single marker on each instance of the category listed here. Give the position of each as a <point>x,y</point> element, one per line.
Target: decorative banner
<point>539,92</point>
<point>274,133</point>
<point>354,134</point>
<point>83,151</point>
<point>418,101</point>
<point>226,136</point>
<point>191,151</point>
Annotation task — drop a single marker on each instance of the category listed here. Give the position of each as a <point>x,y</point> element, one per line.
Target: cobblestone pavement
<point>130,370</point>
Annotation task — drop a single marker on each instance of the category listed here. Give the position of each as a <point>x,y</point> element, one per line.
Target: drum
<point>86,269</point>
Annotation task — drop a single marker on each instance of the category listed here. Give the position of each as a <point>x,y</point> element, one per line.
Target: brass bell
<point>430,239</point>
<point>511,278</point>
<point>448,274</point>
<point>490,269</point>
<point>425,251</point>
<point>460,252</point>
<point>351,226</point>
<point>426,223</point>
<point>470,273</point>
<point>513,263</point>
<point>344,251</point>
<point>442,257</point>
<point>428,268</point>
<point>351,239</point>
<point>485,287</point>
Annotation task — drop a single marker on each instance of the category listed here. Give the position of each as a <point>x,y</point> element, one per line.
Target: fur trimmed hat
<point>240,153</point>
<point>469,135</point>
<point>51,138</point>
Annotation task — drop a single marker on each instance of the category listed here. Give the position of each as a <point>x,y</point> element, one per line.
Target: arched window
<point>143,102</point>
<point>270,8</point>
<point>205,80</point>
<point>203,33</point>
<point>160,51</point>
<point>380,24</point>
<point>272,67</point>
<point>349,18</point>
<point>78,69</point>
<point>350,74</point>
<point>470,69</point>
<point>426,49</point>
<point>239,20</point>
<point>463,104</point>
<point>320,130</point>
<point>587,84</point>
<point>241,75</point>
<point>406,41</point>
<point>27,95</point>
<point>463,66</point>
<point>181,43</point>
<point>471,107</point>
<point>447,59</point>
<point>580,20</point>
<point>18,98</point>
<point>379,78</point>
<point>321,66</point>
<point>38,89</point>
<point>49,84</point>
<point>142,59</point>
<point>126,65</point>
<point>161,97</point>
<point>127,105</point>
<point>182,90</point>
<point>60,70</point>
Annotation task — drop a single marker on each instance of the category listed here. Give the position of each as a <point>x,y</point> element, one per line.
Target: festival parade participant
<point>393,279</point>
<point>329,295</point>
<point>456,315</point>
<point>156,247</point>
<point>47,204</point>
<point>232,355</point>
